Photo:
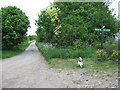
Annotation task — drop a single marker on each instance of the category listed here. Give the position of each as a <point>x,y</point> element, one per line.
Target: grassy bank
<point>68,57</point>
<point>14,52</point>
<point>51,52</point>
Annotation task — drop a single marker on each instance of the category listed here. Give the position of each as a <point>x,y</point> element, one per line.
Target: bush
<point>110,47</point>
<point>80,44</point>
<point>101,55</point>
<point>115,54</point>
<point>14,26</point>
<point>97,44</point>
<point>15,51</point>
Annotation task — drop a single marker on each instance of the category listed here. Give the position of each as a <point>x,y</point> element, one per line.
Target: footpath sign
<point>97,29</point>
<point>102,34</point>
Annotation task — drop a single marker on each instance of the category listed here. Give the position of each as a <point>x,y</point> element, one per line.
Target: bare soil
<point>30,70</point>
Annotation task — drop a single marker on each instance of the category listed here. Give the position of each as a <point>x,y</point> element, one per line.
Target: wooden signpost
<point>102,34</point>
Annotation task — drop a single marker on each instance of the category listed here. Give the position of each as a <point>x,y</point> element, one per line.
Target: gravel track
<point>30,70</point>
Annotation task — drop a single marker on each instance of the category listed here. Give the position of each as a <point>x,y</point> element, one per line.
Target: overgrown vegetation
<point>15,51</point>
<point>49,52</point>
<point>68,57</point>
<point>109,52</point>
<point>92,56</point>
<point>66,30</point>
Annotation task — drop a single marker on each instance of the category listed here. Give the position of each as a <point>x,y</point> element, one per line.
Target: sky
<point>33,7</point>
<point>115,6</point>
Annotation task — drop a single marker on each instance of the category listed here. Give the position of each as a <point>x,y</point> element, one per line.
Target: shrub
<point>115,54</point>
<point>14,26</point>
<point>101,54</point>
<point>110,47</point>
<point>97,44</point>
<point>80,44</point>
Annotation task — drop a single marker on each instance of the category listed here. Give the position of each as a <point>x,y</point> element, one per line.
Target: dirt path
<point>29,70</point>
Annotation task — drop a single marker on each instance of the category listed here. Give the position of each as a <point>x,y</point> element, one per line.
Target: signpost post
<point>102,34</point>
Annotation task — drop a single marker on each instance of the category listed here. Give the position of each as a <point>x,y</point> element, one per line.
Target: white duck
<point>80,62</point>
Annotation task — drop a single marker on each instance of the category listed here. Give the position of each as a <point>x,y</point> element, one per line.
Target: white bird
<point>80,62</point>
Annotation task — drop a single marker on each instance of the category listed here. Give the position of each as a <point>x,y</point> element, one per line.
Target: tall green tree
<point>44,31</point>
<point>78,20</point>
<point>48,24</point>
<point>14,26</point>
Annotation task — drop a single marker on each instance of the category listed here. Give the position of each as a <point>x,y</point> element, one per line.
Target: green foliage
<point>110,46</point>
<point>101,55</point>
<point>62,58</point>
<point>64,23</point>
<point>14,26</point>
<point>53,13</point>
<point>45,27</point>
<point>31,37</point>
<point>15,51</point>
<point>50,52</point>
<point>115,54</point>
<point>80,44</point>
<point>97,44</point>
<point>109,52</point>
<point>48,25</point>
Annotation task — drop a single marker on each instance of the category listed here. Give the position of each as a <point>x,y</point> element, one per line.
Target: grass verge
<point>14,52</point>
<point>51,52</point>
<point>88,63</point>
<point>68,57</point>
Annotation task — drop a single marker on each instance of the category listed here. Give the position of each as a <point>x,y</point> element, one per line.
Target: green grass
<point>14,52</point>
<point>95,66</point>
<point>68,57</point>
<point>91,65</point>
<point>50,52</point>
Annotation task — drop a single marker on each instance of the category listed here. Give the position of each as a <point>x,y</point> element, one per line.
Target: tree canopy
<point>14,26</point>
<point>64,23</point>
